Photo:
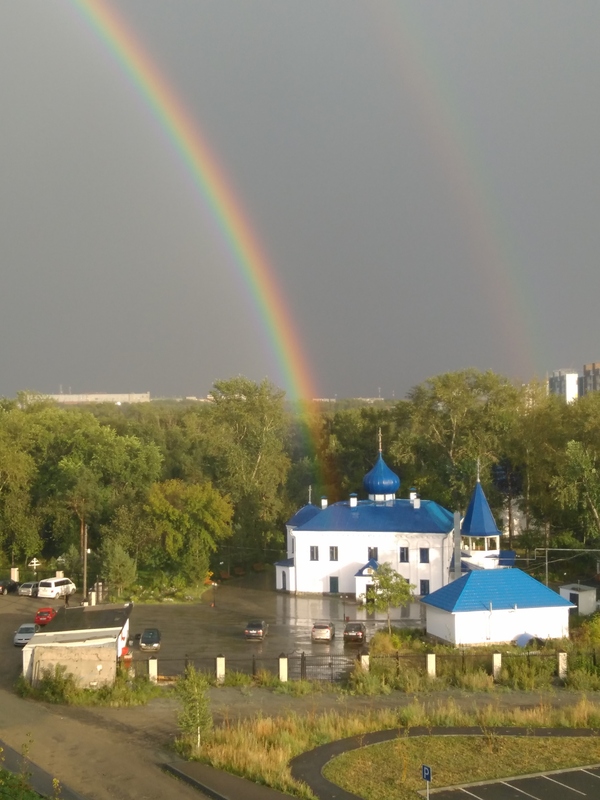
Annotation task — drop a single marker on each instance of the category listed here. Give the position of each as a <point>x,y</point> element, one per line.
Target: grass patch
<point>392,771</point>
<point>60,687</point>
<point>260,748</point>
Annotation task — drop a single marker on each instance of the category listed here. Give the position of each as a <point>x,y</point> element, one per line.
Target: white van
<point>56,587</point>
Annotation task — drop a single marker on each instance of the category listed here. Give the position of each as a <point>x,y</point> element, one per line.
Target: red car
<point>44,615</point>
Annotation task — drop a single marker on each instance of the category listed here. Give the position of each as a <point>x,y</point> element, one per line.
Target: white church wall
<point>353,552</point>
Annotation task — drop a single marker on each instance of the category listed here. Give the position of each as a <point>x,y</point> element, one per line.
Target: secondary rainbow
<point>214,187</point>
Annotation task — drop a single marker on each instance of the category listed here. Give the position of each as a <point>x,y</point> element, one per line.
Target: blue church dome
<point>381,479</point>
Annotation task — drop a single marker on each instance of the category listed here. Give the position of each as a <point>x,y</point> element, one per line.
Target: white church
<point>336,548</point>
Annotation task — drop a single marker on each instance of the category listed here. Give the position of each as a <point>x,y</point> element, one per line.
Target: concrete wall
<point>496,627</point>
<point>90,665</point>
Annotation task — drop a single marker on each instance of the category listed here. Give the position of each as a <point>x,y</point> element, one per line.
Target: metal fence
<point>331,667</point>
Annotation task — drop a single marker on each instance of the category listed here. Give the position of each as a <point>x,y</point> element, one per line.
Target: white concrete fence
<point>362,659</point>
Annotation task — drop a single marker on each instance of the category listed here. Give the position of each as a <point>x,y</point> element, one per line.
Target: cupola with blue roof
<point>381,483</point>
<point>480,537</point>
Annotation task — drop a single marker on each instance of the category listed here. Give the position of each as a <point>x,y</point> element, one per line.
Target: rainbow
<point>498,276</point>
<point>214,188</point>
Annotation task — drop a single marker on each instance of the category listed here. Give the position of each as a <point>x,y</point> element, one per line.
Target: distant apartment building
<point>564,383</point>
<point>591,377</point>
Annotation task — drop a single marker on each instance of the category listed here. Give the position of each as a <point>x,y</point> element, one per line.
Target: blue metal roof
<point>287,562</point>
<point>371,564</point>
<point>495,589</point>
<point>303,515</point>
<point>507,558</point>
<point>395,516</point>
<point>381,479</point>
<point>478,520</point>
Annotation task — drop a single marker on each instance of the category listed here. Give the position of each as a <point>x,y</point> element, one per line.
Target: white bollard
<point>283,668</point>
<point>220,669</point>
<point>496,665</point>
<point>431,672</point>
<point>153,669</point>
<point>562,666</point>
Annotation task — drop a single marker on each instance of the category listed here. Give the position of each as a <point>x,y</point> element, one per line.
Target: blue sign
<point>426,772</point>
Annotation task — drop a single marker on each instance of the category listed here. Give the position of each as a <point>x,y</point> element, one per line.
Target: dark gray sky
<point>424,177</point>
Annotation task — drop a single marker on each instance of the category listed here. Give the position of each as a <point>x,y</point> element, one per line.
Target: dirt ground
<point>107,753</point>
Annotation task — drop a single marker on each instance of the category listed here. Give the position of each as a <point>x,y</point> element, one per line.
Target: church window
<point>424,588</point>
<point>404,555</point>
<point>424,555</point>
<point>333,554</point>
<point>314,553</point>
<point>373,553</point>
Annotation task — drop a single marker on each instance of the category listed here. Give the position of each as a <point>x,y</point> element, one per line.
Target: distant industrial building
<point>100,397</point>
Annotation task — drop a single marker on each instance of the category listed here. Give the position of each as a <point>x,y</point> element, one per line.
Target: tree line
<point>176,489</point>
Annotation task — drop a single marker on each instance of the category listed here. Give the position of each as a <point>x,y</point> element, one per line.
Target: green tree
<point>577,488</point>
<point>456,420</point>
<point>118,567</point>
<point>389,590</point>
<point>246,456</point>
<point>190,521</point>
<point>194,718</point>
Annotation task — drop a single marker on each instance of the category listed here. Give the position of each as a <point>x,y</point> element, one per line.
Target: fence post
<point>220,669</point>
<point>283,668</point>
<point>253,665</point>
<point>496,665</point>
<point>186,661</point>
<point>431,665</point>
<point>303,666</point>
<point>562,666</point>
<point>153,669</point>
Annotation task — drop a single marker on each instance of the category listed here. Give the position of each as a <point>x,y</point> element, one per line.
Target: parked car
<point>355,632</point>
<point>29,589</point>
<point>322,632</point>
<point>150,639</point>
<point>44,616</point>
<point>256,629</point>
<point>7,586</point>
<point>24,634</point>
<point>56,587</point>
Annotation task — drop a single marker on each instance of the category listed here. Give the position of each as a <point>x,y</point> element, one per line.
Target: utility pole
<point>85,549</point>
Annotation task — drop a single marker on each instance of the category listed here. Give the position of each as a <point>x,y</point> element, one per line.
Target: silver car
<point>28,589</point>
<point>25,633</point>
<point>322,632</point>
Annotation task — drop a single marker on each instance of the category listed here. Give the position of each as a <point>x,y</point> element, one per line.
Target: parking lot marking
<point>565,785</point>
<point>516,788</point>
<point>466,791</point>
<point>593,774</point>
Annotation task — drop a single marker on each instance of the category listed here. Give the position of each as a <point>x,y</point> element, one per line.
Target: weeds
<point>260,748</point>
<point>58,686</point>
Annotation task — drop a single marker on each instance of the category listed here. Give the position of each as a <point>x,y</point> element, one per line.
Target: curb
<point>39,780</point>
<point>220,785</point>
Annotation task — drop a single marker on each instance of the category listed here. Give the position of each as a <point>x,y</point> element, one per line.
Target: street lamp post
<point>214,602</point>
<point>344,598</point>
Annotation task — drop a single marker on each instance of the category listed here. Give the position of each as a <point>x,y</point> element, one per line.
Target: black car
<point>355,632</point>
<point>7,586</point>
<point>150,639</point>
<point>256,629</point>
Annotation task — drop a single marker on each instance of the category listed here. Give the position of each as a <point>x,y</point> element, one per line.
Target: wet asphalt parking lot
<point>215,625</point>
